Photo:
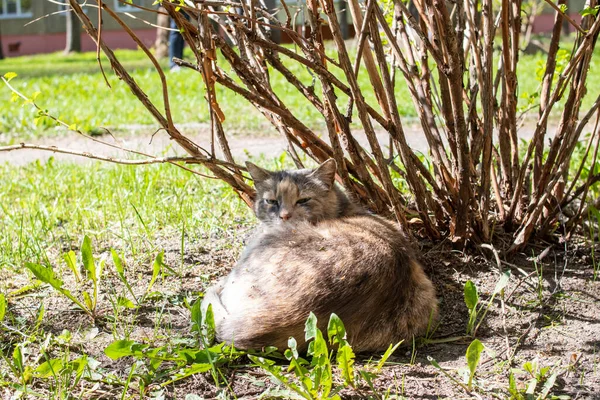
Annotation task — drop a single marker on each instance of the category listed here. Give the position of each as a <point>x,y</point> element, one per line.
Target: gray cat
<point>319,251</point>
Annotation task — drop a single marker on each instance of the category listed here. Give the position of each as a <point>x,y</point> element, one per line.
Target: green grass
<point>73,89</point>
<point>48,207</point>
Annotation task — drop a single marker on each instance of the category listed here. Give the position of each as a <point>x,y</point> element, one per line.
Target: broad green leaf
<point>336,332</point>
<point>119,348</point>
<point>345,360</point>
<point>387,355</point>
<point>18,358</point>
<point>473,356</point>
<point>529,367</point>
<point>87,258</point>
<point>502,282</point>
<point>209,324</point>
<point>78,365</point>
<point>512,384</point>
<point>189,371</point>
<point>531,385</point>
<point>593,11</point>
<point>71,261</point>
<point>45,275</point>
<point>471,296</point>
<point>318,346</point>
<point>196,312</point>
<point>123,301</point>
<point>310,327</point>
<point>50,368</point>
<point>9,75</point>
<point>2,307</point>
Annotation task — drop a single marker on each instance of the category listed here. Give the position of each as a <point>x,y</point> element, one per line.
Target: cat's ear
<point>257,173</point>
<point>326,172</point>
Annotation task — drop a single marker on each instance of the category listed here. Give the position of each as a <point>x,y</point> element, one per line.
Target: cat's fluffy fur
<point>318,251</point>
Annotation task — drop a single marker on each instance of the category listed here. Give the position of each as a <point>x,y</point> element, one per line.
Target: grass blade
<point>71,261</point>
<point>156,268</point>
<point>2,307</point>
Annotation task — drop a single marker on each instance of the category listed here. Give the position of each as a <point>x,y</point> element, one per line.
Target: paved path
<point>161,145</point>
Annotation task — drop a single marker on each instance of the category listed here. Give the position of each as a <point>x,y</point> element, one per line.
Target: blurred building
<point>46,34</point>
<point>21,36</point>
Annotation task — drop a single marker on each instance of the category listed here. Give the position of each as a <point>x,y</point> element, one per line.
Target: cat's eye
<point>271,201</point>
<point>303,201</point>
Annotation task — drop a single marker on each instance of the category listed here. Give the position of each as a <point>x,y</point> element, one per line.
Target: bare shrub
<point>459,60</point>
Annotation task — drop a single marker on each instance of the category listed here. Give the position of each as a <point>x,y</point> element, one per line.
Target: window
<point>123,6</point>
<point>15,8</point>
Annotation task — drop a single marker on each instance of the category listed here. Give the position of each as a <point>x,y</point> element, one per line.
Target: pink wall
<point>545,22</point>
<point>48,43</point>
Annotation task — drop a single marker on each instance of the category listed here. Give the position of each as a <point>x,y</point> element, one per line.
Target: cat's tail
<point>213,297</point>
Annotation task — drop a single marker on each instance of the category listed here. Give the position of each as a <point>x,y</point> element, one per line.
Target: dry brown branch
<point>467,109</point>
<point>152,160</point>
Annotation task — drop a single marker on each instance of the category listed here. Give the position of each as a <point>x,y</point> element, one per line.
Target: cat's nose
<point>285,215</point>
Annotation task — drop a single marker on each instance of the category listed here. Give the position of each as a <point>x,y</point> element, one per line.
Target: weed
<point>472,357</point>
<point>314,379</point>
<point>478,311</point>
<point>538,386</point>
<point>93,275</point>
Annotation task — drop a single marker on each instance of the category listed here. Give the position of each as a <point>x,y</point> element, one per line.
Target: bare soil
<point>550,311</point>
<point>553,318</point>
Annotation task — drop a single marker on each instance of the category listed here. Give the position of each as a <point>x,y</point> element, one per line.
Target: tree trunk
<point>73,30</point>
<point>162,35</point>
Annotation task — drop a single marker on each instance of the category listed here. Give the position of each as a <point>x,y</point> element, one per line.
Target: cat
<point>317,250</point>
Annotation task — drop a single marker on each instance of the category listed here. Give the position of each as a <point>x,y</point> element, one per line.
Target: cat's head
<point>299,195</point>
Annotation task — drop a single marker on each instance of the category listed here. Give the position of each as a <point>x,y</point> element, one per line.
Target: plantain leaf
<point>473,356</point>
<point>88,259</point>
<point>196,312</point>
<point>471,295</point>
<point>88,300</point>
<point>45,275</point>
<point>119,348</point>
<point>49,368</point>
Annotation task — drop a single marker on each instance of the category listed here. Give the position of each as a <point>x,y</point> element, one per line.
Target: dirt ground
<point>267,142</point>
<point>554,319</point>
